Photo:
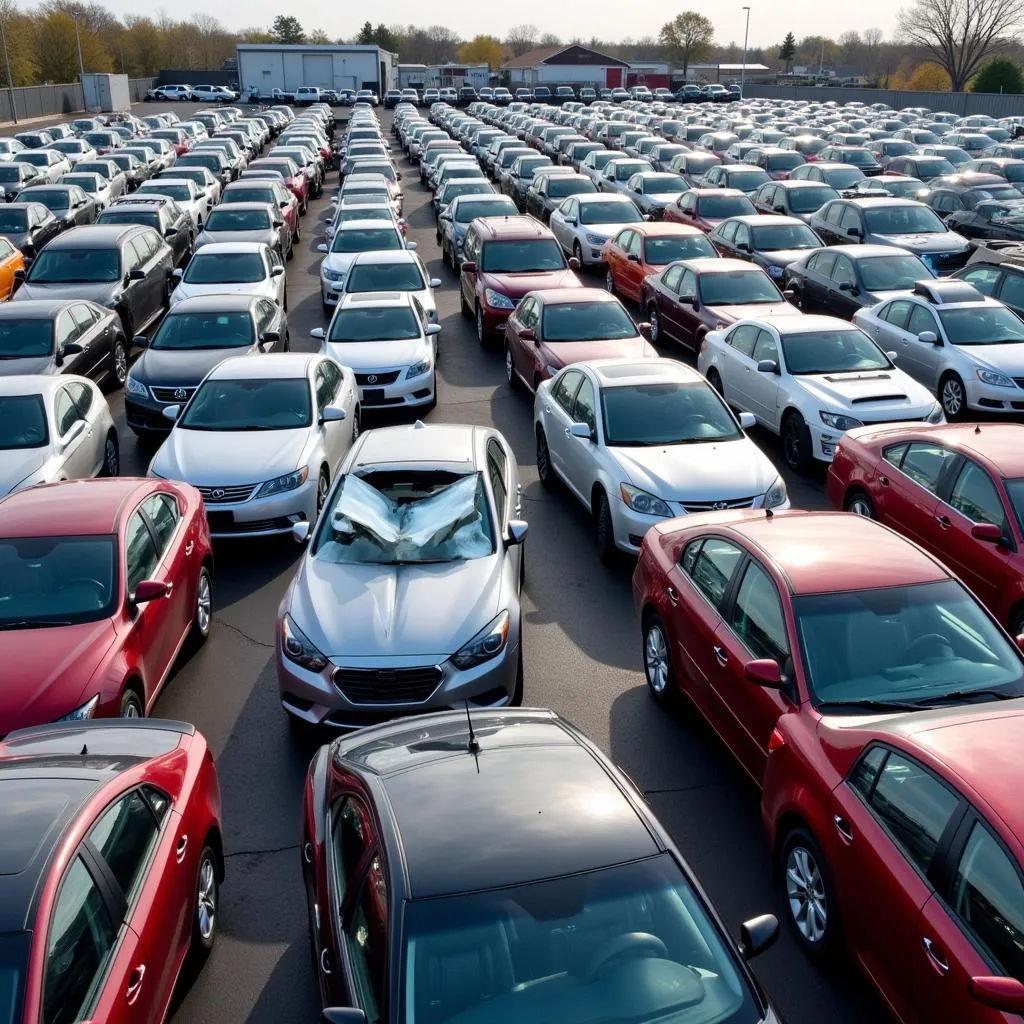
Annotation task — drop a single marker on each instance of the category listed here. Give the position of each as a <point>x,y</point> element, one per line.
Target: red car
<point>270,191</point>
<point>292,175</point>
<point>640,250</point>
<point>110,840</point>
<point>705,208</point>
<point>102,582</point>
<point>503,259</point>
<point>550,329</point>
<point>900,843</point>
<point>957,490</point>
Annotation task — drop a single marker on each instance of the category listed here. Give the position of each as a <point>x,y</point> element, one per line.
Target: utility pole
<point>743,66</point>
<point>81,63</point>
<point>10,78</point>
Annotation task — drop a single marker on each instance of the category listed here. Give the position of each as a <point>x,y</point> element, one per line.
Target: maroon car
<point>550,329</point>
<point>706,208</point>
<point>503,259</point>
<point>691,297</point>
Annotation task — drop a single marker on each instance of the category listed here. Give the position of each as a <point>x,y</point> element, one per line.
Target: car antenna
<point>474,745</point>
<point>769,514</point>
<point>85,750</point>
<point>977,428</point>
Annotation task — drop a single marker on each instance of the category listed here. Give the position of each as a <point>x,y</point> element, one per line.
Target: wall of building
<point>287,67</point>
<point>560,74</point>
<point>56,100</point>
<point>963,103</point>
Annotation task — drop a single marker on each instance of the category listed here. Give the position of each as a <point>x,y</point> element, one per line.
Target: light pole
<point>743,66</point>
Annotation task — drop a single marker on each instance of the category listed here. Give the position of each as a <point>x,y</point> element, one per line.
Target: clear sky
<point>607,19</point>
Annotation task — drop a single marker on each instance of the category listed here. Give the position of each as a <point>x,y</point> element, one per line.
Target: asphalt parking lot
<point>582,658</point>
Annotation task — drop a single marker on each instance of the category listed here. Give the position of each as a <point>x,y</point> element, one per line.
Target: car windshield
<point>839,351</point>
<point>585,321</point>
<point>738,288</point>
<point>720,207</point>
<point>571,976</point>
<point>13,220</point>
<point>56,581</point>
<point>114,216</point>
<point>190,331</point>
<point>609,212</point>
<point>559,188</point>
<point>52,199</point>
<point>465,212</point>
<point>842,177</point>
<point>982,325</point>
<point>25,337</point>
<point>859,158</point>
<point>784,161</point>
<point>406,516</point>
<point>892,273</point>
<point>366,240</point>
<point>454,189</point>
<point>250,195</point>
<point>522,257</point>
<point>180,193</point>
<point>660,186</point>
<point>225,268</point>
<point>903,220</point>
<point>807,200</point>
<point>75,266</point>
<point>226,219</point>
<point>387,323</point>
<point>904,643</point>
<point>933,167</point>
<point>22,421</point>
<point>776,237</point>
<point>660,252</point>
<point>900,189</point>
<point>254,404</point>
<point>385,277</point>
<point>747,181</point>
<point>649,415</point>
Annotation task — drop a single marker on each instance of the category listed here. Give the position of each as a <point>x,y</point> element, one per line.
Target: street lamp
<point>743,66</point>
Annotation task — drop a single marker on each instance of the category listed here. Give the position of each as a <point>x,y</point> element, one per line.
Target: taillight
<point>776,740</point>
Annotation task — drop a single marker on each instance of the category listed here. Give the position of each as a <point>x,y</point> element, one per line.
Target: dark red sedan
<point>291,174</point>
<point>112,858</point>
<point>706,208</point>
<point>102,583</point>
<point>955,489</point>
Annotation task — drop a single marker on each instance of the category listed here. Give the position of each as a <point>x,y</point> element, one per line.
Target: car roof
<point>999,444</point>
<point>801,182</point>
<point>375,299</point>
<point>874,202</point>
<point>272,366</point>
<point>247,207</point>
<point>34,308</point>
<point>705,193</point>
<point>664,228</point>
<point>452,445</point>
<point>622,372</point>
<point>554,296</point>
<point>90,236</point>
<point>764,219</point>
<point>224,248</point>
<point>383,255</point>
<point>719,265</point>
<point>860,252</point>
<point>33,383</point>
<point>226,302</point>
<point>72,507</point>
<point>498,228</point>
<point>536,802</point>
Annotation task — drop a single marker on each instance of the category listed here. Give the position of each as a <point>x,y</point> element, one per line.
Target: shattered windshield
<point>397,517</point>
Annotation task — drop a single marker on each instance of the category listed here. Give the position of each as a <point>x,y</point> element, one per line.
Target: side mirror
<point>767,366</point>
<point>177,272</point>
<point>743,247</point>
<point>846,286</point>
<point>757,934</point>
<point>574,264</point>
<point>747,420</point>
<point>528,334</point>
<point>434,282</point>
<point>271,336</point>
<point>412,247</point>
<point>764,672</point>
<point>150,590</point>
<point>335,1014</point>
<point>72,348</point>
<point>276,271</point>
<point>517,529</point>
<point>285,203</point>
<point>929,338</point>
<point>19,275</point>
<point>322,247</point>
<point>582,431</point>
<point>171,412</point>
<point>141,340</point>
<point>332,414</point>
<point>571,221</point>
<point>136,274</point>
<point>469,267</point>
<point>319,333</point>
<point>645,330</point>
<point>433,329</point>
<point>170,232</point>
<point>780,209</point>
<point>1006,994</point>
<point>788,294</point>
<point>300,534</point>
<point>278,223</point>
<point>987,532</point>
<point>853,232</point>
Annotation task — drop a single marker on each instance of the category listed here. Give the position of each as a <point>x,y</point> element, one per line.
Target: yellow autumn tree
<point>929,77</point>
<point>482,50</point>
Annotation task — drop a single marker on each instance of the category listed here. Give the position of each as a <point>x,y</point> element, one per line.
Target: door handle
<point>884,481</point>
<point>135,983</point>
<point>179,850</point>
<point>843,828</point>
<point>943,521</point>
<point>938,961</point>
<point>323,961</point>
<point>672,595</point>
<point>190,547</point>
<point>721,656</point>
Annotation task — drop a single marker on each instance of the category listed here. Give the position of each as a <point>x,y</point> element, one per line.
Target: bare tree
<point>960,34</point>
<point>549,39</point>
<point>521,38</point>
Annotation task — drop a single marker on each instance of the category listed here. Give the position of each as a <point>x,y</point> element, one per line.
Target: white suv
<point>174,92</point>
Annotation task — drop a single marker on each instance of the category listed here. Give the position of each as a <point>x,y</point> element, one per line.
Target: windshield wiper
<point>869,704</point>
<point>957,695</point>
<point>34,623</point>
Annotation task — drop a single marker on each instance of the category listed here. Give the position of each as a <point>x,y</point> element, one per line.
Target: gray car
<point>454,222</point>
<point>420,543</point>
<point>248,222</point>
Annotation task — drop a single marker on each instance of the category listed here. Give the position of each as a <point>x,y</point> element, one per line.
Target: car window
<point>823,263</point>
<point>897,313</point>
<point>757,616</point>
<point>850,218</point>
<point>351,835</point>
<point>366,936</point>
<point>914,806</point>
<point>66,330</point>
<point>141,555</point>
<point>83,316</point>
<point>921,320</point>
<point>988,899</point>
<point>132,257</point>
<point>497,466</point>
<point>1012,291</point>
<point>894,453</point>
<point>983,278</point>
<point>266,311</point>
<point>163,514</point>
<point>124,836</point>
<point>333,375</point>
<point>324,389</point>
<point>924,462</point>
<point>974,496</point>
<point>82,396</point>
<point>743,338</point>
<point>834,214</point>
<point>79,948</point>
<point>713,568</point>
<point>65,412</point>
<point>842,272</point>
<point>727,231</point>
<point>766,347</point>
<point>6,249</point>
<point>583,409</point>
<point>687,285</point>
<point>565,390</point>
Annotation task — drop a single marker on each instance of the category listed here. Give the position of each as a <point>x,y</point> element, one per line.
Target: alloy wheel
<point>206,900</point>
<point>479,325</point>
<point>860,505</point>
<point>652,319</point>
<point>609,281</point>
<point>805,892</point>
<point>111,457</point>
<point>120,362</point>
<point>322,486</point>
<point>656,658</point>
<point>204,603</point>
<point>952,397</point>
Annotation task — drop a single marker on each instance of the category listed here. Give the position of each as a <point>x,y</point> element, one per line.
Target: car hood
<point>754,310</point>
<point>781,257</point>
<point>210,459</point>
<point>395,610</point>
<point>102,293</point>
<point>27,364</point>
<point>947,241</point>
<point>188,291</point>
<point>18,463</point>
<point>1008,358</point>
<point>515,286</point>
<point>56,666</point>
<point>561,353</point>
<point>19,239</point>
<point>869,394</point>
<point>339,262</point>
<point>264,235</point>
<point>370,355</point>
<point>709,471</point>
<point>162,368</point>
<point>604,231</point>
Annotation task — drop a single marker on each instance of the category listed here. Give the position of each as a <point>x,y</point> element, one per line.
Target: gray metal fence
<point>962,103</point>
<point>35,101</point>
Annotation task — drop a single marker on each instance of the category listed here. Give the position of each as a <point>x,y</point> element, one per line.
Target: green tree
<point>286,29</point>
<point>366,33</point>
<point>319,37</point>
<point>1000,74</point>
<point>687,37</point>
<point>787,51</point>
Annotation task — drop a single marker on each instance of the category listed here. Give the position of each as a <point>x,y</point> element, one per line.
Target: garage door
<point>318,69</point>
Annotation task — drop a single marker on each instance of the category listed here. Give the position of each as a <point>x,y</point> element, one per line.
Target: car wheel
<point>205,918</point>
<point>284,300</point>
<point>661,680</point>
<point>715,380</point>
<point>860,503</point>
<point>604,530</point>
<point>323,485</point>
<point>516,699</point>
<point>810,897</point>
<point>798,299</point>
<point>578,253</point>
<point>952,396</point>
<point>544,469</point>
<point>796,443</point>
<point>510,369</point>
<point>202,616</point>
<point>131,705</point>
<point>111,456</point>
<point>609,281</point>
<point>119,361</point>
<point>464,307</point>
<point>652,319</point>
<point>481,334</point>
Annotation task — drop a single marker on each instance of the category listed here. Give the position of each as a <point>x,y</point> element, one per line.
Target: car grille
<point>172,395</point>
<point>225,522</point>
<point>1019,381</point>
<point>713,506</point>
<point>377,380</point>
<point>227,493</point>
<point>388,685</point>
<point>950,260</point>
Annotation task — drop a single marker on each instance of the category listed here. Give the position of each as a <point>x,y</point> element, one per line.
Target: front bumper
<point>495,320</point>
<point>399,392</point>
<point>985,397</point>
<point>263,517</point>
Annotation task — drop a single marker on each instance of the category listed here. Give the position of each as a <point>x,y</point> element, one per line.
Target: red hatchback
<point>955,489</point>
<point>101,584</point>
<point>111,855</point>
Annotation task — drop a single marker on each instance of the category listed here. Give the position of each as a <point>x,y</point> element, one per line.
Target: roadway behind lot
<point>582,658</point>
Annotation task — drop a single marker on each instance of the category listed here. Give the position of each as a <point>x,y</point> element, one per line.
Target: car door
<point>89,403</point>
<point>65,344</point>
<point>741,243</point>
<point>177,565</point>
<point>888,328</point>
<point>907,497</point>
<point>633,265</point>
<point>736,362</point>
<point>616,257</point>
<point>817,288</point>
<point>525,353</point>
<point>761,388</point>
<point>921,359</point>
<point>563,221</point>
<point>73,435</point>
<point>842,294</point>
<point>579,451</point>
<point>851,226</point>
<point>337,434</point>
<point>365,941</point>
<point>333,433</point>
<point>557,417</point>
<point>685,310</point>
<point>95,354</point>
<point>10,260</point>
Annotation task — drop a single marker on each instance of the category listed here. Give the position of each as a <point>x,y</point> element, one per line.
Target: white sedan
<point>809,379</point>
<point>262,440</point>
<point>583,223</point>
<point>54,428</point>
<point>352,238</point>
<point>638,441</point>
<point>248,268</point>
<point>398,271</point>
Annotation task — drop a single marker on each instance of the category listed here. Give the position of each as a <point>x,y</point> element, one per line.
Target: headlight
<point>87,710</point>
<point>776,494</point>
<point>299,648</point>
<point>995,378</point>
<point>642,502</point>
<point>280,484</point>
<point>936,415</point>
<point>418,369</point>
<point>774,271</point>
<point>489,642</point>
<point>839,422</point>
<point>596,239</point>
<point>134,387</point>
<point>332,275</point>
<point>493,298</point>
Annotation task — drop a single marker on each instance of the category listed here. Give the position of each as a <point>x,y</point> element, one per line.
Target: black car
<point>773,242</point>
<point>133,169</point>
<point>841,279</point>
<point>690,94</point>
<point>71,205</point>
<point>540,887</point>
<point>161,213</point>
<point>542,94</point>
<point>392,98</point>
<point>124,267</point>
<point>923,167</point>
<point>548,191</point>
<point>467,95</point>
<point>28,226</point>
<point>996,269</point>
<point>191,340</point>
<point>62,336</point>
<point>793,198</point>
<point>955,192</point>
<point>991,219</point>
<point>14,177</point>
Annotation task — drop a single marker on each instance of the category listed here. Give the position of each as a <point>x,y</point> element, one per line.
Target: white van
<point>307,94</point>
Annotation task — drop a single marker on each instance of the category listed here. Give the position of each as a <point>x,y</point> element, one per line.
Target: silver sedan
<point>583,223</point>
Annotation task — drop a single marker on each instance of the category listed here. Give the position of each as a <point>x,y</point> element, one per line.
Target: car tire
<point>657,655</point>
<point>798,299</point>
<point>809,896</point>
<point>859,502</point>
<point>464,307</point>
<point>202,613</point>
<point>577,251</point>
<point>516,699</point>
<point>119,361</point>
<point>284,300</point>
<point>652,319</point>
<point>510,370</point>
<point>111,456</point>
<point>545,471</point>
<point>604,530</point>
<point>131,705</point>
<point>715,380</point>
<point>796,443</point>
<point>952,397</point>
<point>323,485</point>
<point>481,334</point>
<point>207,903</point>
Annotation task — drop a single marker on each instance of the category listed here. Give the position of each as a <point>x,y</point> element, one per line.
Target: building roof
<point>564,55</point>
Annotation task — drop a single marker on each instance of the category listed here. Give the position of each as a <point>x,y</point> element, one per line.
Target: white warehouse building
<point>266,66</point>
